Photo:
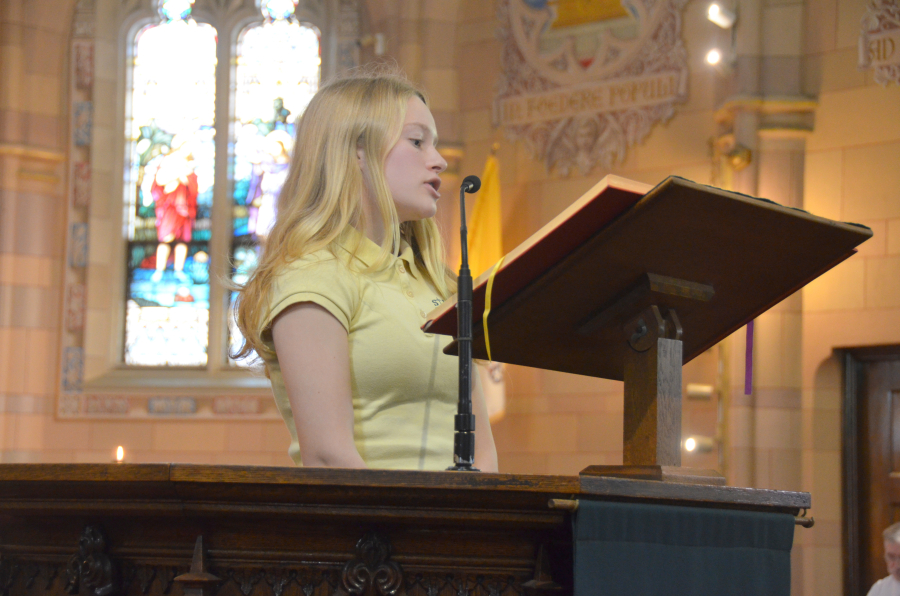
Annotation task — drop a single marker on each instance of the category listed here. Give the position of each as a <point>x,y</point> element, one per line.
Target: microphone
<point>471,184</point>
<point>464,423</point>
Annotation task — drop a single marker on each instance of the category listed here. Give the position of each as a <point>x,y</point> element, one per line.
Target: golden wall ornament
<point>584,80</point>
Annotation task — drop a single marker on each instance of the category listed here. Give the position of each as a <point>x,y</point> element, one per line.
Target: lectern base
<point>660,473</point>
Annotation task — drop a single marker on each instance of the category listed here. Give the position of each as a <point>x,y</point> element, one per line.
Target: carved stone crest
<point>371,571</point>
<point>585,80</point>
<point>879,41</point>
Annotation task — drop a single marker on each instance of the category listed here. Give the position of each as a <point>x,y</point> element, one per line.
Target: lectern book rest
<point>630,282</point>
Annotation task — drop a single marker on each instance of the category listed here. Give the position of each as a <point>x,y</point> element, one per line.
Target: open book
<point>561,300</point>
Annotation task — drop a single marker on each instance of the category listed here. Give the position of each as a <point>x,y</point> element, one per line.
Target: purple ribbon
<point>748,361</point>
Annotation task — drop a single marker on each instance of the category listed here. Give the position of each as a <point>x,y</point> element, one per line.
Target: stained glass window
<point>170,190</point>
<point>172,162</point>
<point>277,73</point>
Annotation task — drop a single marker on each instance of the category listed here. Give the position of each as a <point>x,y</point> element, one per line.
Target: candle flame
<point>120,453</point>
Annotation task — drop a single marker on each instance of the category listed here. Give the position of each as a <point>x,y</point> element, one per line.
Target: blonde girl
<point>352,265</point>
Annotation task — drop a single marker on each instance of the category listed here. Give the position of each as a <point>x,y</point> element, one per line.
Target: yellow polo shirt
<point>404,388</point>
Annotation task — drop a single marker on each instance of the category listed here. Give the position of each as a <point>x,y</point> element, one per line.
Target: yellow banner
<point>605,96</point>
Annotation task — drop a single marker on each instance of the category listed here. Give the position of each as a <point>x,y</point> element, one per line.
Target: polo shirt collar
<point>367,251</point>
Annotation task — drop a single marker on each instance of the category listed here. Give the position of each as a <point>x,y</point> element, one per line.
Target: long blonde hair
<point>323,192</point>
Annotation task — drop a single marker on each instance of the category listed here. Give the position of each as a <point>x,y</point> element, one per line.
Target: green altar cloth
<point>649,550</point>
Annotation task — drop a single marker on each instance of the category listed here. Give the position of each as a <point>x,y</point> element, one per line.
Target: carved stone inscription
<point>584,81</point>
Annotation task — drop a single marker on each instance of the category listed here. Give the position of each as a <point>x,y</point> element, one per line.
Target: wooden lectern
<point>172,529</point>
<point>631,282</point>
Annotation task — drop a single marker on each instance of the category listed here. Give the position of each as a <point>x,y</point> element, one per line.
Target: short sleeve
<point>321,279</point>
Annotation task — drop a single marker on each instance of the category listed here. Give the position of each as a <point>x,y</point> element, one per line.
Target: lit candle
<point>120,454</point>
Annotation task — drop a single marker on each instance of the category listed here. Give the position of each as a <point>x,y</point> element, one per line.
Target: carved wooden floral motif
<point>879,41</point>
<point>585,80</point>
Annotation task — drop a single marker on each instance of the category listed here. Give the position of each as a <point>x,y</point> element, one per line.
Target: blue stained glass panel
<point>277,73</point>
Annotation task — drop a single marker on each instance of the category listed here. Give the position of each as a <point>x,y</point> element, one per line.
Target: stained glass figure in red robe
<point>174,192</point>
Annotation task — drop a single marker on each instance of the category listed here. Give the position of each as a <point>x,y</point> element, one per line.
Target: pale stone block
<point>822,183</point>
<point>479,83</point>
<point>523,463</point>
<point>411,10</point>
<point>781,30</point>
<point>30,431</point>
<point>557,194</point>
<point>45,52</point>
<point>849,17</point>
<point>680,141</point>
<point>97,334</point>
<point>100,243</point>
<point>442,88</point>
<point>13,359</point>
<point>740,464</point>
<point>109,434</point>
<point>871,180</point>
<point>883,282</point>
<point>67,435</point>
<point>441,10</point>
<point>840,70</point>
<point>561,383</point>
<point>777,428</point>
<point>518,403</point>
<point>43,94</point>
<point>193,436</point>
<point>748,42</point>
<point>827,575</point>
<point>105,65</point>
<point>839,289</point>
<point>792,351</point>
<point>893,237</point>
<point>552,433</point>
<point>99,287</point>
<point>105,93</point>
<point>864,115</point>
<point>102,189</point>
<point>40,358</point>
<point>104,147</point>
<point>740,427</point>
<point>282,460</point>
<point>11,60</point>
<point>478,10</point>
<point>826,429</point>
<point>827,485</point>
<point>821,26</point>
<point>244,437</point>
<point>767,369</point>
<point>599,432</point>
<point>477,125</point>
<point>475,32</point>
<point>276,438</point>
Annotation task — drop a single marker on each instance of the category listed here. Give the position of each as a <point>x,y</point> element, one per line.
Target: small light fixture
<point>714,57</point>
<point>721,16</point>
<point>120,454</point>
<point>699,392</point>
<point>699,444</point>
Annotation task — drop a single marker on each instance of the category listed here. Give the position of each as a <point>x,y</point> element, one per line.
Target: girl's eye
<point>416,142</point>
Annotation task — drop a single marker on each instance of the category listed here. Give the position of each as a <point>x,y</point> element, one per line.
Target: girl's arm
<point>314,355</point>
<point>485,451</point>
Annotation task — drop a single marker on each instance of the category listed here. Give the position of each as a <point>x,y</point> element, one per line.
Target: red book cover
<point>581,220</point>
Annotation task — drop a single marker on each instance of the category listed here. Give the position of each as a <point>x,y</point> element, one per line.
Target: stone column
<point>32,220</point>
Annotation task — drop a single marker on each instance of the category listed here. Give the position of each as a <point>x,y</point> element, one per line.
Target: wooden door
<point>872,482</point>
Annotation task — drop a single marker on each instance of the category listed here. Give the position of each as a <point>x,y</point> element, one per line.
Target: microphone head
<point>471,184</point>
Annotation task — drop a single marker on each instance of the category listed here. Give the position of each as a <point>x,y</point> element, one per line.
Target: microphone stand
<point>464,437</point>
